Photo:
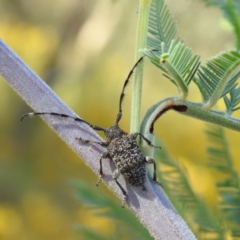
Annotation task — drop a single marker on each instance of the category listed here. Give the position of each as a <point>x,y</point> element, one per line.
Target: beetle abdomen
<point>128,159</point>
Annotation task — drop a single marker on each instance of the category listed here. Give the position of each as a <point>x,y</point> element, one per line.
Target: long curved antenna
<point>97,128</point>
<point>119,116</point>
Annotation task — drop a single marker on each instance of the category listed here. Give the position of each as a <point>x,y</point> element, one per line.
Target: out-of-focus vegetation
<point>84,50</point>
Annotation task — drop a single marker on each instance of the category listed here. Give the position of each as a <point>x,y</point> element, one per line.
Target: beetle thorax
<point>114,132</point>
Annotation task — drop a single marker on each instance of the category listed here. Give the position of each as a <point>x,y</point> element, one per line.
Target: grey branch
<point>151,207</point>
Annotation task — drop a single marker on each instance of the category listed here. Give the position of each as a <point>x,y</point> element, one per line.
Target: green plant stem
<point>190,109</point>
<point>142,30</point>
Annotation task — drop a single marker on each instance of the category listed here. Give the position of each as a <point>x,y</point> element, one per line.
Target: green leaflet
<point>232,101</point>
<point>162,27</point>
<point>188,203</point>
<point>218,77</point>
<point>231,12</point>
<point>178,64</point>
<point>228,189</point>
<point>103,205</point>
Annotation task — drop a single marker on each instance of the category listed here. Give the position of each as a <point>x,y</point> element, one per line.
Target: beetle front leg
<point>103,155</point>
<point>150,160</point>
<point>103,144</point>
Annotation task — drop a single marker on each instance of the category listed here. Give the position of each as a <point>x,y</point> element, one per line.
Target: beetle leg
<point>103,144</point>
<point>150,160</point>
<point>116,174</point>
<point>103,155</point>
<point>148,141</point>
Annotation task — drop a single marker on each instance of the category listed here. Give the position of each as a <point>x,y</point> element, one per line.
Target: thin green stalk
<point>190,109</point>
<point>142,30</point>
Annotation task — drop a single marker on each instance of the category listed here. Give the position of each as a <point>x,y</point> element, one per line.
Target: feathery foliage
<point>231,12</point>
<point>188,203</point>
<point>219,76</point>
<point>228,189</point>
<point>215,80</point>
<point>180,65</point>
<point>162,27</point>
<point>127,226</point>
<point>232,101</point>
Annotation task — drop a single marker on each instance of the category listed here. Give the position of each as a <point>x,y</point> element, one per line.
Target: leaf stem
<point>190,109</point>
<point>142,30</point>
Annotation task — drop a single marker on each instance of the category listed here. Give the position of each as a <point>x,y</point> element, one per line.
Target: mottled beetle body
<point>128,158</point>
<point>121,148</point>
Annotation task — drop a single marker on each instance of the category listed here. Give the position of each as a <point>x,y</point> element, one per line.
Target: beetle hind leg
<point>116,174</point>
<point>150,160</point>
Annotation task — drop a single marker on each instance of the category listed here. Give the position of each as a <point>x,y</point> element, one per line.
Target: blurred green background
<point>84,50</point>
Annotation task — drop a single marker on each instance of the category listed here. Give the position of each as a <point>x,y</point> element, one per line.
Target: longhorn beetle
<point>120,147</point>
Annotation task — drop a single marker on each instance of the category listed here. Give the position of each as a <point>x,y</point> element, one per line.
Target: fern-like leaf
<point>231,11</point>
<point>219,76</point>
<point>228,189</point>
<point>176,183</point>
<point>103,206</point>
<point>162,27</point>
<point>183,61</point>
<point>178,64</point>
<point>173,57</point>
<point>233,100</point>
<point>88,233</point>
